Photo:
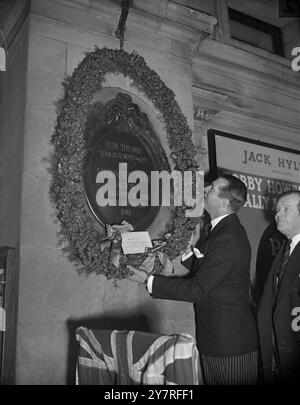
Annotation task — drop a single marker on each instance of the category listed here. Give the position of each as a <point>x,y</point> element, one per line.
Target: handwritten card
<point>135,242</point>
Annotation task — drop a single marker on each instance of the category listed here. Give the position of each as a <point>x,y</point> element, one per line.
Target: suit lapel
<point>223,223</point>
<point>203,247</point>
<point>291,274</point>
<point>274,271</point>
<point>220,225</point>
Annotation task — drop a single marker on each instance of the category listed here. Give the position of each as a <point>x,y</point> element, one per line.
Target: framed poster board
<point>267,170</point>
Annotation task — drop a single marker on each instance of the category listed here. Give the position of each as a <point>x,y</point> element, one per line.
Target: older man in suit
<point>279,309</point>
<point>219,288</point>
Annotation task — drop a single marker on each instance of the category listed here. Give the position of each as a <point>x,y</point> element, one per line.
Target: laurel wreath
<point>78,230</point>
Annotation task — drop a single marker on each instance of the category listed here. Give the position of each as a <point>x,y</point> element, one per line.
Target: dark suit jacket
<point>286,319</point>
<point>219,289</point>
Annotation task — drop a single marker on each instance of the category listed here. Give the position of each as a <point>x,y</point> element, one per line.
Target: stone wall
<point>247,92</point>
<point>53,298</point>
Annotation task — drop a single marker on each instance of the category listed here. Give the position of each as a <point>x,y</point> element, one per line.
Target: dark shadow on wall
<point>128,321</point>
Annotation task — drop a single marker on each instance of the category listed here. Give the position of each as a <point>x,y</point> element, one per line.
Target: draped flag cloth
<point>117,357</point>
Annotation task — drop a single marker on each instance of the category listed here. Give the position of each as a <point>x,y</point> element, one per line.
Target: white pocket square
<point>197,253</point>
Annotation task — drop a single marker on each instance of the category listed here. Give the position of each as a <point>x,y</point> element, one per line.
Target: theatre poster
<point>267,170</point>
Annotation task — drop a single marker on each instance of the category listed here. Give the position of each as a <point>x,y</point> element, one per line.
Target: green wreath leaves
<point>77,227</point>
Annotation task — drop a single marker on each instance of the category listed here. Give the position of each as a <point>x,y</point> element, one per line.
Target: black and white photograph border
<point>206,87</point>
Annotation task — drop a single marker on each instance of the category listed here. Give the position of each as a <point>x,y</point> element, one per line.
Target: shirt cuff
<point>185,256</point>
<point>149,284</point>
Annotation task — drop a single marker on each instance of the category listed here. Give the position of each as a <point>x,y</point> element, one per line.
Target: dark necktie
<point>282,265</point>
<point>207,231</point>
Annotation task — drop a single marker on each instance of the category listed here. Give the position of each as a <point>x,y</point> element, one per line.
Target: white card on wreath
<point>135,242</point>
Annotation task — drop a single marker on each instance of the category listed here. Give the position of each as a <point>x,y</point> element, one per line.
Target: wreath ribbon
<point>148,263</point>
<point>113,241</point>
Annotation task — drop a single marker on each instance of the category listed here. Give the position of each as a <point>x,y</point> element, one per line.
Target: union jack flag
<point>119,357</point>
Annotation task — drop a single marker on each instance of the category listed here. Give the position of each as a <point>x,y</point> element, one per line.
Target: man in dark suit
<point>219,288</point>
<point>279,309</point>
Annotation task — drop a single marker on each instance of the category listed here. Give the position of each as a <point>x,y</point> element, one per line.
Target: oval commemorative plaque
<point>114,152</point>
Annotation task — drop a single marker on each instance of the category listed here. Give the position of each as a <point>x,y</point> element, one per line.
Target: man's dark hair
<point>292,192</point>
<point>235,191</point>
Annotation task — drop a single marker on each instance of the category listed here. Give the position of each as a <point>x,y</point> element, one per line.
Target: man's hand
<point>137,276</point>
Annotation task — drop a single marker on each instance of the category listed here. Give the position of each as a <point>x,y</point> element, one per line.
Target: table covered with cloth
<point>119,357</point>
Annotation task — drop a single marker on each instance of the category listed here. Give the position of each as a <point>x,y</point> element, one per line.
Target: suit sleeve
<point>188,263</point>
<point>221,258</point>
